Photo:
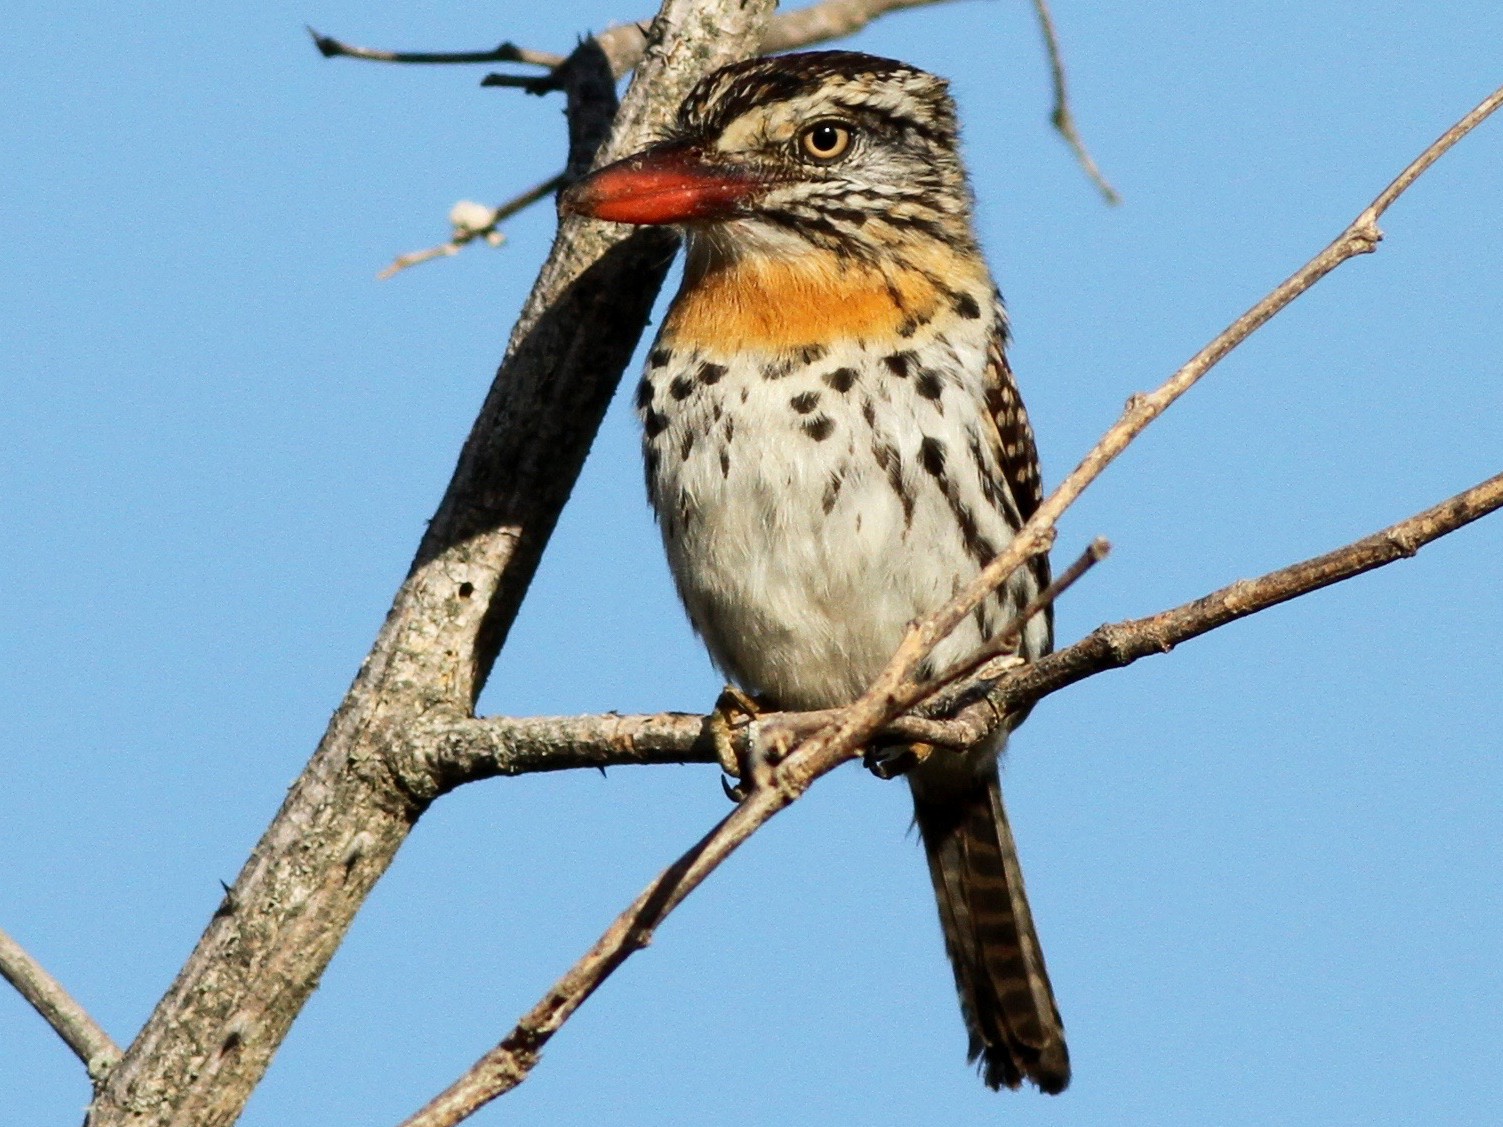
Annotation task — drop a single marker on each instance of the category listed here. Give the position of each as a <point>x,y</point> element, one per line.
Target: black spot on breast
<point>681,387</point>
<point>869,413</point>
<point>804,402</point>
<point>820,428</point>
<point>658,357</point>
<point>910,326</point>
<point>725,461</point>
<point>654,423</point>
<point>832,490</point>
<point>777,369</point>
<point>711,373</point>
<point>811,353</point>
<point>965,306</point>
<point>730,429</point>
<point>688,443</point>
<point>841,379</point>
<point>898,363</point>
<point>650,464</point>
<point>644,394</point>
<point>928,385</point>
<point>889,461</point>
<point>932,456</point>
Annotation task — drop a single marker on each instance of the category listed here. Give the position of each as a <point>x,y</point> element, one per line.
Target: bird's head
<point>828,151</point>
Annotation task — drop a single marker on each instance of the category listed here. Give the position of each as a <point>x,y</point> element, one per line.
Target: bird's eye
<point>825,141</point>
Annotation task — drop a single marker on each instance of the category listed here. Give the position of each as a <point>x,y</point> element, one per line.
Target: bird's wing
<point>1011,434</point>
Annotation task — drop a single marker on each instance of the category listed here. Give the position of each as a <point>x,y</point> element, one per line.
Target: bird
<point>834,444</point>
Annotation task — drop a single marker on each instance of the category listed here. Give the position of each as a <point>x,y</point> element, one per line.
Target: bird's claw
<point>736,792</point>
<point>734,712</point>
<point>888,761</point>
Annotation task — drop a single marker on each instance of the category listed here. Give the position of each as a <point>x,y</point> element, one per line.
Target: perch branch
<point>510,1062</point>
<point>506,1065</point>
<point>469,750</point>
<point>68,1019</point>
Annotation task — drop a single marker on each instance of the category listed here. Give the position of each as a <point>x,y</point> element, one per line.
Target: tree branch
<point>470,750</point>
<point>510,1062</point>
<point>783,781</point>
<point>211,1037</point>
<point>68,1019</point>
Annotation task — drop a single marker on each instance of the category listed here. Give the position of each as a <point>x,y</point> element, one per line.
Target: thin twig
<point>623,43</point>
<point>1005,641</point>
<point>331,48</point>
<point>467,229</point>
<point>1361,237</point>
<point>510,1061</point>
<point>1122,643</point>
<point>1063,119</point>
<point>68,1019</point>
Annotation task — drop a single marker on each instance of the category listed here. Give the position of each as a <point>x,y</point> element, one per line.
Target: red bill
<point>670,183</point>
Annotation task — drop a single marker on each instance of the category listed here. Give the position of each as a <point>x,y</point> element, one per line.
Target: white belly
<point>804,519</point>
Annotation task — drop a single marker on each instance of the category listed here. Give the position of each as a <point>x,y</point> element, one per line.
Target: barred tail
<point>999,968</point>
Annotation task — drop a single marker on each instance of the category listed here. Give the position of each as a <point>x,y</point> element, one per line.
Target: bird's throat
<point>777,304</point>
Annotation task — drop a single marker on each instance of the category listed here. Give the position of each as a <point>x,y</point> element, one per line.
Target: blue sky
<point>1265,868</point>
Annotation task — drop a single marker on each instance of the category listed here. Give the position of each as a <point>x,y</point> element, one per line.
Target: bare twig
<point>510,1061</point>
<point>1063,119</point>
<point>623,43</point>
<point>473,221</point>
<point>1361,237</point>
<point>68,1019</point>
<point>331,48</point>
<point>1006,641</point>
<point>1122,643</point>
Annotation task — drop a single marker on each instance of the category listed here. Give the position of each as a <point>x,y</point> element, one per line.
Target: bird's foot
<point>888,761</point>
<point>735,712</point>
